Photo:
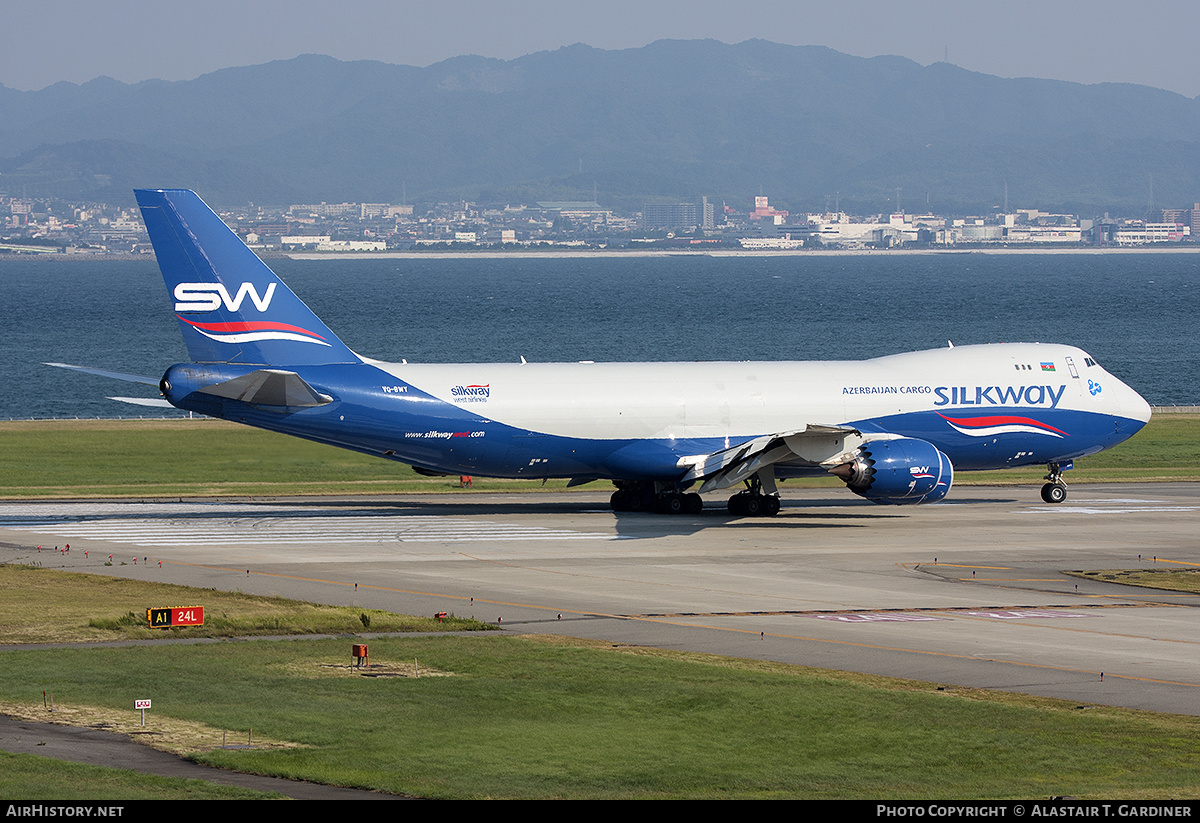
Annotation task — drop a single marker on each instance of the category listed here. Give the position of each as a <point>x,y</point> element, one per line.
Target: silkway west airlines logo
<point>475,393</point>
<point>205,297</point>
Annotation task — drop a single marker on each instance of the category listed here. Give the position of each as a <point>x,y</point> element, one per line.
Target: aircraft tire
<point>1054,493</point>
<point>695,504</point>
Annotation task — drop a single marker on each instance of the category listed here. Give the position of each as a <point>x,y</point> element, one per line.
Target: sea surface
<point>1137,314</point>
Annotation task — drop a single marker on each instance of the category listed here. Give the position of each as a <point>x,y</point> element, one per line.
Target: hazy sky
<point>1094,41</point>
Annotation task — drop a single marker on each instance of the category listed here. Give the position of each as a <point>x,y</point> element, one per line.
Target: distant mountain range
<point>806,125</point>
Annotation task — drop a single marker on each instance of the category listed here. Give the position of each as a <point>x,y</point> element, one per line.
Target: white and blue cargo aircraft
<point>893,428</point>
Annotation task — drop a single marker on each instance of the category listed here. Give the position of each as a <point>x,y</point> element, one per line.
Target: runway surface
<point>970,591</point>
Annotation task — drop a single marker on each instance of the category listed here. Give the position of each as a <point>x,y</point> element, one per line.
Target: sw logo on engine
<point>211,296</point>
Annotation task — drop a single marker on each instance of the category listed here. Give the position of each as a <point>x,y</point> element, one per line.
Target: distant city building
<point>774,243</point>
<point>325,209</point>
<point>368,211</point>
<point>762,209</point>
<point>669,216</point>
<point>1044,234</point>
<point>352,245</point>
<point>303,239</point>
<point>500,236</point>
<point>1152,233</point>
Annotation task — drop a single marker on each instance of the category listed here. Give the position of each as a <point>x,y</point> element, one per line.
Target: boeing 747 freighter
<point>894,428</point>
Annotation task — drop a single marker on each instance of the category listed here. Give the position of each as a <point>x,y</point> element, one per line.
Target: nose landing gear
<point>1056,490</point>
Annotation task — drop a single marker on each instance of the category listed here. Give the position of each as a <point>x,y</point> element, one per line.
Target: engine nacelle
<point>900,471</point>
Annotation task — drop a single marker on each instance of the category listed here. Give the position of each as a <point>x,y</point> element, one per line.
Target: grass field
<point>1175,580</point>
<point>29,777</point>
<point>521,717</point>
<point>141,458</point>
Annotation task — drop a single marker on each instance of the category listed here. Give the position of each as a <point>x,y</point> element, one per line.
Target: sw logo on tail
<point>211,296</point>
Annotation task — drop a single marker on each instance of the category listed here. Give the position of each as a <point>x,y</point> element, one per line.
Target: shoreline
<point>662,253</point>
<point>527,254</point>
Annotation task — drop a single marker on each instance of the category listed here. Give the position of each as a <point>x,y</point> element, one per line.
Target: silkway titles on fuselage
<point>974,395</point>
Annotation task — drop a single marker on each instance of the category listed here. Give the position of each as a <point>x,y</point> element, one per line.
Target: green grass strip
<point>45,606</point>
<point>512,717</point>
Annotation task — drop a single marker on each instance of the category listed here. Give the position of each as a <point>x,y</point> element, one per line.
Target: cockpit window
<point>1089,361</point>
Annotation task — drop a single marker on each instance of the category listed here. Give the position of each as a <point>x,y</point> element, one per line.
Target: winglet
<point>231,307</point>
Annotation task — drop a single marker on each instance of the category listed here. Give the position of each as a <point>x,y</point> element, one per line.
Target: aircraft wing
<point>814,445</point>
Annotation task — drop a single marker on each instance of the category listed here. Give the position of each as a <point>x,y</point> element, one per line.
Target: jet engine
<point>900,471</point>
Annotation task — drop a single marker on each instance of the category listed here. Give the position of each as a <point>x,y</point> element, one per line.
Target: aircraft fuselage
<point>986,407</point>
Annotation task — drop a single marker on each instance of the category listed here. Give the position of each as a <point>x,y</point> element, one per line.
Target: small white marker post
<point>143,705</point>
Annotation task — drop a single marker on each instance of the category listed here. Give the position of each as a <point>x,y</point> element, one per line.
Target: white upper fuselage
<point>724,399</point>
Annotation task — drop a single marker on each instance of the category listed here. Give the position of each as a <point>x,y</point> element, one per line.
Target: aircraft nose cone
<point>1134,406</point>
<point>1132,413</point>
<point>1142,411</point>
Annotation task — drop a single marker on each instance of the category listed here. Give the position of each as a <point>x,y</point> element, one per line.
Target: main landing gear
<point>638,497</point>
<point>752,502</point>
<point>1056,490</point>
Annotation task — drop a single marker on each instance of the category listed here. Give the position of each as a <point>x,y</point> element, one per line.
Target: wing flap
<point>813,445</point>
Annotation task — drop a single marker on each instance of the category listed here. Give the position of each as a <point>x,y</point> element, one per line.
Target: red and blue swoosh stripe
<point>993,425</point>
<point>252,332</point>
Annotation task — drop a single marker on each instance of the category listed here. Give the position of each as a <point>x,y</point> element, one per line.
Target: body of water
<point>1135,313</point>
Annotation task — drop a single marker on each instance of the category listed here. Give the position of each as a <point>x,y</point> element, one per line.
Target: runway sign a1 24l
<point>165,618</point>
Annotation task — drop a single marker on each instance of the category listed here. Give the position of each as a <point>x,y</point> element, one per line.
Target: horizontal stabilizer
<point>115,375</point>
<point>270,387</point>
<point>156,402</point>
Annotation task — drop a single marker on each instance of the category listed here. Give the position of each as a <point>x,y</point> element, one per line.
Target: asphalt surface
<point>970,591</point>
<point>101,748</point>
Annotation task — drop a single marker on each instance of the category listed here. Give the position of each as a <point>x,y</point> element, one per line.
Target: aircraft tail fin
<point>231,307</point>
